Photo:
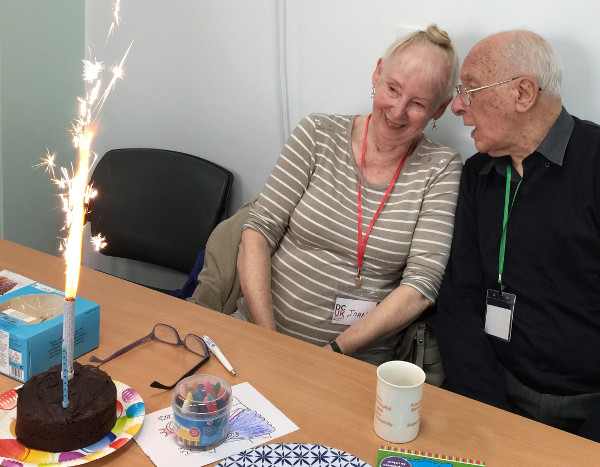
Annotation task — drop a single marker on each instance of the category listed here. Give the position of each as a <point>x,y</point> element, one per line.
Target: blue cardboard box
<point>31,325</point>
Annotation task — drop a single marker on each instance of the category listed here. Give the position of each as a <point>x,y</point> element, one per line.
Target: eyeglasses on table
<point>168,335</point>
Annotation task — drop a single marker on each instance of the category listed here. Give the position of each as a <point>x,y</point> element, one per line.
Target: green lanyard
<point>505,222</point>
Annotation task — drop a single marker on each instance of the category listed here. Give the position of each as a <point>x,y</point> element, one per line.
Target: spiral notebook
<point>400,457</point>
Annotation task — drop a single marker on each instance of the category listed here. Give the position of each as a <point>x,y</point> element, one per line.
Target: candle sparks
<point>99,242</point>
<point>48,163</point>
<point>117,72</point>
<point>92,70</point>
<point>75,192</point>
<point>76,209</point>
<point>116,18</point>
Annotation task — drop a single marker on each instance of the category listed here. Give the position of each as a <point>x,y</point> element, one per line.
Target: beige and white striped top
<point>308,213</point>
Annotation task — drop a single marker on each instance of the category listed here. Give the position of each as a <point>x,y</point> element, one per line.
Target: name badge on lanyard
<point>500,306</point>
<point>351,304</point>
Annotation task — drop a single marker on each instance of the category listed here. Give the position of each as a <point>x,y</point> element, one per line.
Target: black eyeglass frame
<point>152,337</point>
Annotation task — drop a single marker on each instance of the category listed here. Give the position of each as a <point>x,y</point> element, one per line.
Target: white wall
<point>202,76</point>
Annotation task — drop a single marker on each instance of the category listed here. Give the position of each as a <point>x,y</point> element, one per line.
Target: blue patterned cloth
<point>293,454</point>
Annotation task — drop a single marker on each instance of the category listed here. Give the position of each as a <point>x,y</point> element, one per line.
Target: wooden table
<point>330,397</point>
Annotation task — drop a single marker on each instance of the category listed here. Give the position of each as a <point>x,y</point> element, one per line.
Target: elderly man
<point>519,308</point>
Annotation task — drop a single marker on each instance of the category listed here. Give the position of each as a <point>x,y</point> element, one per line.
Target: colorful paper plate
<point>130,415</point>
<point>313,455</point>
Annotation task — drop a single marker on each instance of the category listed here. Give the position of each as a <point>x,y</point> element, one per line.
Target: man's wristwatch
<point>335,347</point>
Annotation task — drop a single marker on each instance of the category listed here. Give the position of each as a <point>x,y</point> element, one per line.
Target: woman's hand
<point>254,270</point>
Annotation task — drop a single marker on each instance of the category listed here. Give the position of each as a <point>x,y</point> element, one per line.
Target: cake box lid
<point>28,307</point>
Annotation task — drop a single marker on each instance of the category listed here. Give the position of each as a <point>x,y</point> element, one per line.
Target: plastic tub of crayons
<point>201,405</point>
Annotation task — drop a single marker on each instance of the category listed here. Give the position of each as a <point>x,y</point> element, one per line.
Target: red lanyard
<point>362,243</point>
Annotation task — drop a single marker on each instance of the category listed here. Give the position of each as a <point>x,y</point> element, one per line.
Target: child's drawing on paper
<point>245,423</point>
<point>169,428</point>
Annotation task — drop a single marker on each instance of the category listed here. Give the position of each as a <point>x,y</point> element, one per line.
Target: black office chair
<point>157,206</point>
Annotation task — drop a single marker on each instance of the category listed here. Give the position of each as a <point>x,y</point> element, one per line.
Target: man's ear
<point>528,89</point>
<point>441,109</point>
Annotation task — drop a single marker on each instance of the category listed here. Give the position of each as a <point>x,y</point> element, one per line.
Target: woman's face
<point>407,93</point>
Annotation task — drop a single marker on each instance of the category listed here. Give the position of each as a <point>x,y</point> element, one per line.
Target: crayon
<point>207,404</point>
<point>201,406</point>
<point>212,406</point>
<point>188,401</point>
<point>209,389</point>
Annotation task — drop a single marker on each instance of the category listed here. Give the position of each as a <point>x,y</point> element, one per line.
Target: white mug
<point>398,401</point>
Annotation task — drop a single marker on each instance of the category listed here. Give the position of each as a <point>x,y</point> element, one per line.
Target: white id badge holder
<point>351,303</point>
<point>500,308</point>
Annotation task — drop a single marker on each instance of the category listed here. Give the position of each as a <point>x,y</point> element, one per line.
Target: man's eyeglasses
<point>168,335</point>
<point>464,93</point>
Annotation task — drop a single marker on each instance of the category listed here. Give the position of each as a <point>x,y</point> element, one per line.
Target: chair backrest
<point>157,206</point>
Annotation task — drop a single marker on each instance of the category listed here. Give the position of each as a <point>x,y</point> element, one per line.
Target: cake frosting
<point>43,423</point>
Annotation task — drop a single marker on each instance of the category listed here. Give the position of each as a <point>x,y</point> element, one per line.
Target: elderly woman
<point>348,241</point>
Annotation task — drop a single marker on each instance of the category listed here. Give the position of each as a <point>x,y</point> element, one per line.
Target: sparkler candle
<point>68,338</point>
<point>79,193</point>
<point>75,222</point>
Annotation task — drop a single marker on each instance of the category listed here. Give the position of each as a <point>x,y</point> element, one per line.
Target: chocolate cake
<point>43,423</point>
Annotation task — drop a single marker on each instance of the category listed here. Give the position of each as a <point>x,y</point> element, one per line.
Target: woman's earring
<point>434,127</point>
<point>372,92</point>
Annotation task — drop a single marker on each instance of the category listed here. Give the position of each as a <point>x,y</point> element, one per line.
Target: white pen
<point>217,353</point>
